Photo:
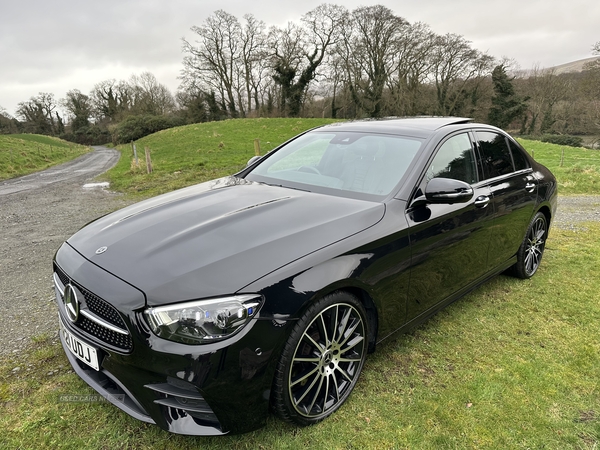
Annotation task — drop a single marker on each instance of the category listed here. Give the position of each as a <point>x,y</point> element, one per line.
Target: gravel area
<point>39,212</point>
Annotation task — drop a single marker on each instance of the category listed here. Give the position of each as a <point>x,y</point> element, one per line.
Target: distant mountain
<point>575,66</point>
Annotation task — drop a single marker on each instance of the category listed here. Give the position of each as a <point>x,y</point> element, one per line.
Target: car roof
<point>413,126</point>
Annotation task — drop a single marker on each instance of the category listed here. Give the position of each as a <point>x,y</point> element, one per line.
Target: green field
<point>194,153</point>
<point>576,169</point>
<point>22,154</point>
<point>515,364</point>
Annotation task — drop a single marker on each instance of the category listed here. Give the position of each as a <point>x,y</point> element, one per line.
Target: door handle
<point>530,187</point>
<point>482,201</point>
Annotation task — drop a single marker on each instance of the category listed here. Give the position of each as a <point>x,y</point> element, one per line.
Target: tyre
<point>531,250</point>
<point>321,360</point>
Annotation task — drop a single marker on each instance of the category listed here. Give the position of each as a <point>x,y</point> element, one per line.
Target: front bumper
<point>210,389</point>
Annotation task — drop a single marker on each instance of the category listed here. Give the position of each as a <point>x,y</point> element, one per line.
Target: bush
<point>88,135</point>
<point>563,139</point>
<point>136,127</point>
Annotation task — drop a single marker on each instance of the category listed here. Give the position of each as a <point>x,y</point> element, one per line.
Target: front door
<point>449,242</point>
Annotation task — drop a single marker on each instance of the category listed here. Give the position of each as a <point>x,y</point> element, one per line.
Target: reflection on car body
<point>266,290</point>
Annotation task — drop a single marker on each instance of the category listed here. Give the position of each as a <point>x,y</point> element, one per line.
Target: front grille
<point>102,309</point>
<point>122,341</point>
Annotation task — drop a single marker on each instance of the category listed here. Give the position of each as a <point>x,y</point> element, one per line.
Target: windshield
<point>350,164</point>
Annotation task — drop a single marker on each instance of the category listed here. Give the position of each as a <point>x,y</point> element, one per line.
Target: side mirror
<point>253,160</point>
<point>448,191</point>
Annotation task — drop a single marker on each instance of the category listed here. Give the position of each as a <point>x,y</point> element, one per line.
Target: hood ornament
<point>101,250</point>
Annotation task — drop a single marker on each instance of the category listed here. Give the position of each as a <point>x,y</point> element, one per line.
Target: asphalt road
<point>39,212</point>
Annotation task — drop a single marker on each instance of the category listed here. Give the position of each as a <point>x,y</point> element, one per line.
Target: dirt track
<point>40,211</point>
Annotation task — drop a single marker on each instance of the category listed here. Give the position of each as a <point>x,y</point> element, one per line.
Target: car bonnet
<point>217,237</point>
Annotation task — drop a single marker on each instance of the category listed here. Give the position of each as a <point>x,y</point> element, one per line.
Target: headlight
<point>203,321</point>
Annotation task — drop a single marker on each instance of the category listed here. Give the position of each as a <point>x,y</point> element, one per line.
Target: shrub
<point>136,127</point>
<point>563,139</point>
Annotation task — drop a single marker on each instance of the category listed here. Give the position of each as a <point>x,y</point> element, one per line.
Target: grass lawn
<point>22,154</point>
<point>515,364</point>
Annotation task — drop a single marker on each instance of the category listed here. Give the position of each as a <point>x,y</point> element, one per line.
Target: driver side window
<point>454,160</point>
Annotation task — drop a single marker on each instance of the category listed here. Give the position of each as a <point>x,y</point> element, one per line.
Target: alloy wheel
<point>327,361</point>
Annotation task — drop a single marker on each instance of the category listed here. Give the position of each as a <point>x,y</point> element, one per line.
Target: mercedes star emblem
<point>71,303</point>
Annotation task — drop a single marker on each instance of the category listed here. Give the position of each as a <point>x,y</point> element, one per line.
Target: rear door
<point>513,190</point>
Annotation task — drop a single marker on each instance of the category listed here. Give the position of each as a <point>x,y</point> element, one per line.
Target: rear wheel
<point>531,251</point>
<point>322,360</point>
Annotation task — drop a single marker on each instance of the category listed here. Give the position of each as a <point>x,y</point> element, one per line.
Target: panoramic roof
<point>420,126</point>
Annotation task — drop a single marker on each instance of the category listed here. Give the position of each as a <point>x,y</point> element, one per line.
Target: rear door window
<point>495,154</point>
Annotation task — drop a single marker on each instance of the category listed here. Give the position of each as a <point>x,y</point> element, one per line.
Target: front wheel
<point>531,251</point>
<point>322,360</point>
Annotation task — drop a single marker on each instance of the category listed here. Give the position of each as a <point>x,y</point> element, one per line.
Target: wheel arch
<point>367,301</point>
<point>545,210</point>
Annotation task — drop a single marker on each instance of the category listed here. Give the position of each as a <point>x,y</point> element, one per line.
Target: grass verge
<point>515,364</point>
<point>22,154</point>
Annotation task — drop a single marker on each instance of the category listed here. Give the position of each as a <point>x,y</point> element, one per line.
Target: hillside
<point>190,154</point>
<point>573,66</point>
<point>21,154</point>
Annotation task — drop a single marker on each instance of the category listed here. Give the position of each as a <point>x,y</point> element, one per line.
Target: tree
<point>506,105</point>
<point>455,66</point>
<point>298,51</point>
<point>111,99</point>
<point>545,89</point>
<point>38,114</point>
<point>253,61</point>
<point>213,64</point>
<point>414,50</point>
<point>80,108</point>
<point>368,50</point>
<point>148,96</point>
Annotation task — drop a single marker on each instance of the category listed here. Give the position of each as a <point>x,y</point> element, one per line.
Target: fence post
<point>148,160</point>
<point>137,163</point>
<point>562,157</point>
<point>257,147</point>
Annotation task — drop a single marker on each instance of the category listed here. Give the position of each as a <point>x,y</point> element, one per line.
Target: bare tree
<point>455,65</point>
<point>413,63</point>
<point>368,51</point>
<point>254,63</point>
<point>298,51</point>
<point>148,96</point>
<point>38,114</point>
<point>111,99</point>
<point>213,64</point>
<point>545,89</point>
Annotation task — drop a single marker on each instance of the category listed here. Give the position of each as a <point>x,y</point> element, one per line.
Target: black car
<point>202,309</point>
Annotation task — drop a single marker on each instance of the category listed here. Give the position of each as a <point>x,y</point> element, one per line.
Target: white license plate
<point>80,349</point>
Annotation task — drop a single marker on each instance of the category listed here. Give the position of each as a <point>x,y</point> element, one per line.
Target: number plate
<point>80,349</point>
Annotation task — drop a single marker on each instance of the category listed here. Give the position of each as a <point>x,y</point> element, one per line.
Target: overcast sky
<point>58,45</point>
